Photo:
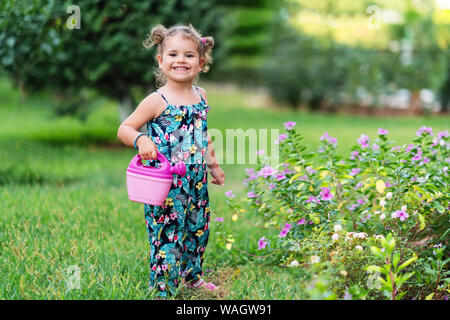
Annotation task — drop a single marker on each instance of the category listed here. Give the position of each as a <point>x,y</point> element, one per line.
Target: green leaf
<point>406,263</point>
<point>376,251</point>
<point>422,222</point>
<point>396,259</point>
<point>439,207</point>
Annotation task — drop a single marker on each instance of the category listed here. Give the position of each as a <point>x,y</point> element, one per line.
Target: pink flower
<point>409,147</point>
<point>283,233</point>
<point>266,171</point>
<point>354,154</point>
<point>312,199</point>
<point>262,243</point>
<point>271,186</point>
<point>310,170</point>
<point>287,226</point>
<point>363,141</point>
<point>251,194</point>
<point>259,152</point>
<point>325,194</point>
<point>418,155</point>
<point>281,138</point>
<point>424,129</point>
<point>382,131</point>
<point>355,171</point>
<point>400,214</point>
<point>301,221</point>
<point>229,194</point>
<point>396,148</point>
<point>289,125</point>
<point>218,219</point>
<point>443,134</point>
<point>329,139</point>
<point>280,177</point>
<point>250,171</point>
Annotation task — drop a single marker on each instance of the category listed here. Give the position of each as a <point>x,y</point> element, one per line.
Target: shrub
<point>330,211</point>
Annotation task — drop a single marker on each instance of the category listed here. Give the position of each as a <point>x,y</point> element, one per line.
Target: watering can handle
<point>159,156</point>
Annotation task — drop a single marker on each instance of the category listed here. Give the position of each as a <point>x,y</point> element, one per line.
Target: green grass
<point>63,201</point>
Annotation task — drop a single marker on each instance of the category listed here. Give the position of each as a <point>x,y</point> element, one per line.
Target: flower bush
<point>331,213</point>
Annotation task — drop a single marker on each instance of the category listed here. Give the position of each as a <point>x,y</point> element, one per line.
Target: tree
<point>42,47</point>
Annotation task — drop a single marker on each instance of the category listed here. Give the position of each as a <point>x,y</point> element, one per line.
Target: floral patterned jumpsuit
<point>178,230</point>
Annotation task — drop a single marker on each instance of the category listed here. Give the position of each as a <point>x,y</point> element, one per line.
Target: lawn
<point>64,205</point>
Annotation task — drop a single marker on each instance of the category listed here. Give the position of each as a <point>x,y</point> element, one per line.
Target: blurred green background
<point>346,67</point>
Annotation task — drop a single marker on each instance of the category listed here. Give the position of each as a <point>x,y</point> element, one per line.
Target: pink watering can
<point>149,184</point>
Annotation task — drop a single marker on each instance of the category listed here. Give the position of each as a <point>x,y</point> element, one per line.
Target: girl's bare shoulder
<point>203,93</point>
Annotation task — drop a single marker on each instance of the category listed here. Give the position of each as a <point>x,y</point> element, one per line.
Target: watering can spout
<point>179,169</point>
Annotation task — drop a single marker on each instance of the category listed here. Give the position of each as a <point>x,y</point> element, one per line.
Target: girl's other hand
<point>147,148</point>
<point>218,175</point>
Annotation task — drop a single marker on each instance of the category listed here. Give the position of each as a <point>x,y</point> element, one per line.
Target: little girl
<point>175,116</point>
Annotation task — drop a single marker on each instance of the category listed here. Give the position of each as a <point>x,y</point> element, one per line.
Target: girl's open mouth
<point>180,69</point>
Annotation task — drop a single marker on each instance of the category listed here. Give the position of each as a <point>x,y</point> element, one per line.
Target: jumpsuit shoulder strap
<point>198,91</point>
<point>163,96</point>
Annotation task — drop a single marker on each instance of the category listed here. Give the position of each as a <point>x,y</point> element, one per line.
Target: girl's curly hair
<point>159,33</point>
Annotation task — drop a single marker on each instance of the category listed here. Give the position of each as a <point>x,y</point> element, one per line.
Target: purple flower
<point>363,141</point>
<point>354,154</point>
<point>266,171</point>
<point>424,129</point>
<point>409,147</point>
<point>312,199</point>
<point>218,219</point>
<point>424,161</point>
<point>289,125</point>
<point>325,194</point>
<point>400,214</point>
<point>259,152</point>
<point>387,184</point>
<point>251,194</point>
<point>375,146</point>
<point>396,148</point>
<point>361,201</point>
<point>355,171</point>
<point>310,170</point>
<point>443,134</point>
<point>248,179</point>
<point>358,185</point>
<point>382,131</point>
<point>280,177</point>
<point>283,233</point>
<point>418,155</point>
<point>229,194</point>
<point>250,171</point>
<point>287,171</point>
<point>281,138</point>
<point>262,243</point>
<point>301,221</point>
<point>329,139</point>
<point>287,226</point>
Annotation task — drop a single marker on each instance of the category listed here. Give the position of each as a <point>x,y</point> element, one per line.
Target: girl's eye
<point>190,55</point>
<point>172,54</point>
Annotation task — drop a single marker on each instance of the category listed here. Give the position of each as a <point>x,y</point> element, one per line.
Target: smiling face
<point>180,60</point>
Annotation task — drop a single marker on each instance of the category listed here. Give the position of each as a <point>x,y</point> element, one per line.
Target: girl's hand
<point>218,175</point>
<point>147,148</point>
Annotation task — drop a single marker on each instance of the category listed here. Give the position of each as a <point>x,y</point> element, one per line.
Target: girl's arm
<point>129,128</point>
